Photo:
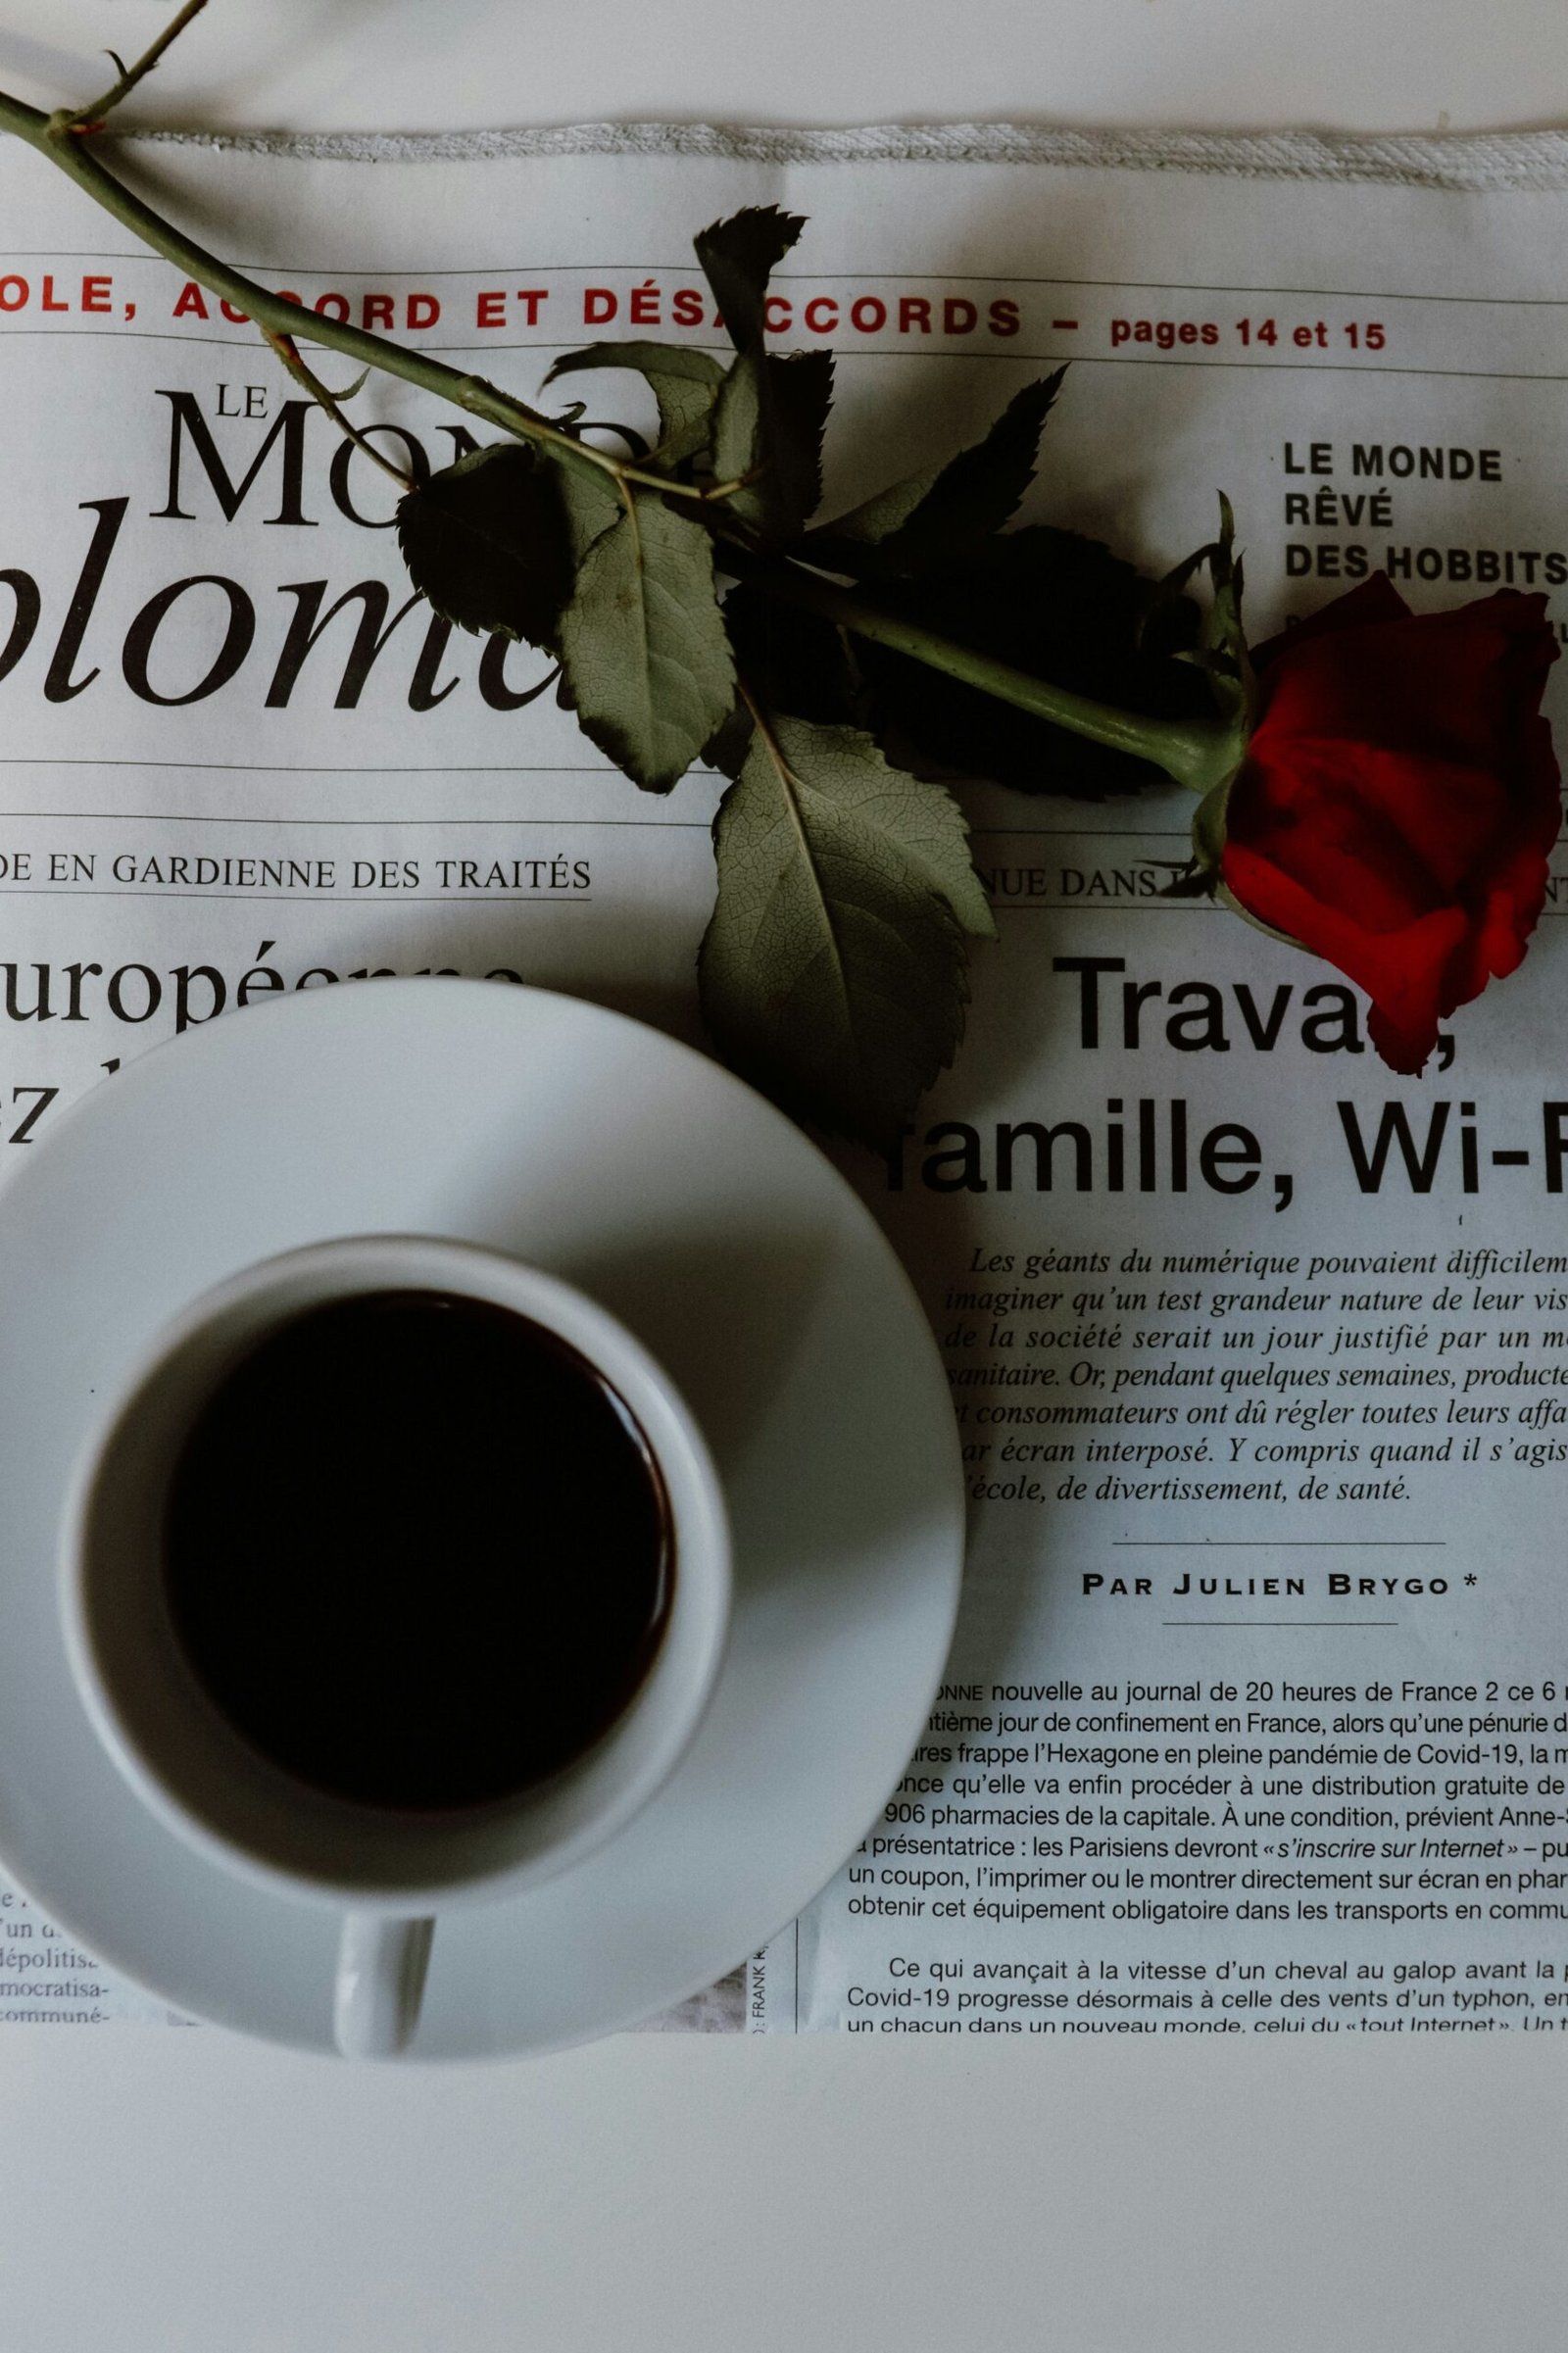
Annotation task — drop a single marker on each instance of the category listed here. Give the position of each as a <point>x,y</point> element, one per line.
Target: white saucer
<point>606,1153</point>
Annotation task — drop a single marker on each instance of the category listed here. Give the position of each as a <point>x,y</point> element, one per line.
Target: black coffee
<point>416,1550</point>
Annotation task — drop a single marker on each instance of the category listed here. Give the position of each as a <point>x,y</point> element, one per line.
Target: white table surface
<point>333,65</point>
<point>187,2193</point>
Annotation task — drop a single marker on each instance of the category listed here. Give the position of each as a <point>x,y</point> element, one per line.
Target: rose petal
<point>1400,798</point>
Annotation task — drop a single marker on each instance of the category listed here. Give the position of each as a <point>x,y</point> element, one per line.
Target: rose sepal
<point>1221,653</point>
<point>1225,896</point>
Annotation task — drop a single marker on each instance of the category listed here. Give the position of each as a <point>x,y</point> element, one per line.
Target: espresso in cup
<point>396,1576</point>
<point>418,1550</point>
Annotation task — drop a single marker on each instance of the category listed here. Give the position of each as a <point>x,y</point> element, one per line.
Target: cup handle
<point>381,1966</point>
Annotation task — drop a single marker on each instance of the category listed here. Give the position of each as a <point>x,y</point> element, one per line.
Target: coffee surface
<point>416,1550</point>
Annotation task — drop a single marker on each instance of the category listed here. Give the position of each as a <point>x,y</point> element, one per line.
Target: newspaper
<point>1257,1714</point>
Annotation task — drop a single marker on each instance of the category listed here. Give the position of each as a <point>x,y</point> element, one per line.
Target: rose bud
<point>1398,798</point>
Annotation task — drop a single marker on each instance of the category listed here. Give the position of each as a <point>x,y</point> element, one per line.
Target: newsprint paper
<point>1256,1722</point>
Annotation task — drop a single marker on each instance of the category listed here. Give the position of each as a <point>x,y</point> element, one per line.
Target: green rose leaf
<point>801,389</point>
<point>591,503</point>
<point>738,423</point>
<point>646,658</point>
<point>768,424</point>
<point>684,382</point>
<point>771,411</point>
<point>834,970</point>
<point>726,750</point>
<point>942,514</point>
<point>1064,608</point>
<point>489,542</point>
<point>738,257</point>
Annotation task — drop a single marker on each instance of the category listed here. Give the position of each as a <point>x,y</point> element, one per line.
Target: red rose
<point>1399,799</point>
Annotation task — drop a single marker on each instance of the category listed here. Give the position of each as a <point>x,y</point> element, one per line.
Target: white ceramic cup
<point>389,1872</point>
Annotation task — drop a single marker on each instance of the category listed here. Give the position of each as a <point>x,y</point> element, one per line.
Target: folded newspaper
<point>1258,1716</point>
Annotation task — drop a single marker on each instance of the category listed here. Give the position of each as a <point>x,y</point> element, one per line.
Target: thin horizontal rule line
<point>161,817</point>
<point>1084,833</point>
<point>314,767</point>
<point>1351,1624</point>
<point>194,896</point>
<point>687,267</point>
<point>1364,367</point>
<point>1099,906</point>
